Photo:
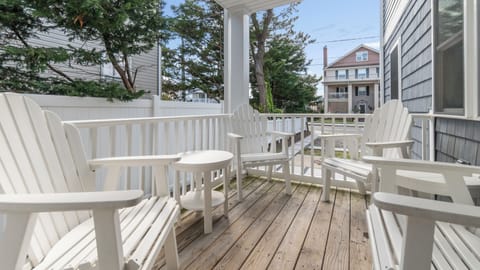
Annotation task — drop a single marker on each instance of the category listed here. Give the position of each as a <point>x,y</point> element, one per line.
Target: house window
<point>341,74</point>
<point>342,89</point>
<point>362,91</point>
<point>362,56</point>
<point>362,73</point>
<point>394,73</point>
<point>449,57</point>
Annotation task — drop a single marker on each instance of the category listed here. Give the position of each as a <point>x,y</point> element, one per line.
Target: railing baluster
<point>312,144</point>
<point>93,140</point>
<point>302,146</point>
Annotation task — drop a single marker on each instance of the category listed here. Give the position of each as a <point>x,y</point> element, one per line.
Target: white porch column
<point>350,98</point>
<point>236,66</point>
<point>376,96</point>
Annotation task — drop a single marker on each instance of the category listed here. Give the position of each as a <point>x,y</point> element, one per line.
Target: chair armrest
<point>234,136</point>
<point>71,201</point>
<point>378,147</point>
<point>134,161</point>
<point>467,215</point>
<point>385,145</point>
<point>422,165</point>
<point>337,136</point>
<point>280,133</point>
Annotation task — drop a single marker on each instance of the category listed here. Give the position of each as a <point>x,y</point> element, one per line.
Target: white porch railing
<point>151,136</point>
<point>307,150</point>
<point>171,135</point>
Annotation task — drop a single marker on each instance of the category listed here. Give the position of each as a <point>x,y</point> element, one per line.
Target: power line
<point>346,39</point>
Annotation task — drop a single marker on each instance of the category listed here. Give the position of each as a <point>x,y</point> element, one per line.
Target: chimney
<point>325,59</point>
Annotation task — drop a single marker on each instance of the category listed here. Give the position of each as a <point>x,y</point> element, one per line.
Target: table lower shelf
<point>194,200</point>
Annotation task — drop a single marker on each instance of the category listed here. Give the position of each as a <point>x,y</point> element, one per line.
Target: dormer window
<point>362,56</point>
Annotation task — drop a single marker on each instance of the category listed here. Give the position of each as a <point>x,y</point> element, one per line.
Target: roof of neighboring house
<point>348,60</point>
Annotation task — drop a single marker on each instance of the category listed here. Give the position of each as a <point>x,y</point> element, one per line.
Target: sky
<point>341,25</point>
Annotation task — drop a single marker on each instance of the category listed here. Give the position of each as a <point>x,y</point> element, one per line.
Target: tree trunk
<point>259,74</point>
<point>121,71</point>
<point>261,35</point>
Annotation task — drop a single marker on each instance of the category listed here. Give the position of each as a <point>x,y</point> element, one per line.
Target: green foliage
<point>110,90</point>
<point>195,61</point>
<point>285,66</point>
<point>81,88</point>
<point>120,28</point>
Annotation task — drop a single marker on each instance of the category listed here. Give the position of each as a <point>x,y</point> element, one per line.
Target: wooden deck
<point>271,230</point>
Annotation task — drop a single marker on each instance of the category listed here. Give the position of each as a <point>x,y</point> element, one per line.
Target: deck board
<point>338,248</point>
<point>263,253</point>
<point>271,230</point>
<point>359,256</point>
<point>235,257</point>
<point>287,254</point>
<point>311,255</point>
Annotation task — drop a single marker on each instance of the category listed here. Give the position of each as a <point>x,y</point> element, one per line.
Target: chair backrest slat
<point>391,122</point>
<point>253,127</point>
<point>36,158</point>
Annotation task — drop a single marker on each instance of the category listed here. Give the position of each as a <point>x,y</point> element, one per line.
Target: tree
<point>260,32</point>
<point>123,29</point>
<point>196,60</point>
<point>284,63</point>
<point>285,68</point>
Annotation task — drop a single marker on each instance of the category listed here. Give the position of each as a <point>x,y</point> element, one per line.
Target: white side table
<point>202,164</point>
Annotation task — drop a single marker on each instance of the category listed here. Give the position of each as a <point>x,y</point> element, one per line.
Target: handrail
<point>127,121</point>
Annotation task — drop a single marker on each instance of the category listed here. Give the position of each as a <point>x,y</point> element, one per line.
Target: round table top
<point>204,160</point>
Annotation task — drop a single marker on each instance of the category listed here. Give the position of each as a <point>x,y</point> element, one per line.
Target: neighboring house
<point>351,84</point>
<point>196,95</point>
<point>147,64</point>
<point>431,62</point>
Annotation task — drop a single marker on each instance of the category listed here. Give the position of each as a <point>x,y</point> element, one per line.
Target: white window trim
<point>342,76</point>
<point>471,58</point>
<point>361,56</point>
<point>364,88</point>
<point>471,61</point>
<point>365,74</point>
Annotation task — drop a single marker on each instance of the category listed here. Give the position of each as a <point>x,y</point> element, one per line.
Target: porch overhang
<point>251,6</point>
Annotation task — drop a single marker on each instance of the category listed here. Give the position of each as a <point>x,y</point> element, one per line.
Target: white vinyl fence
<point>88,108</point>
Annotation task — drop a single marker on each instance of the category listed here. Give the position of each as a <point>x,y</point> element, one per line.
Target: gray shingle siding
<point>147,66</point>
<point>457,139</point>
<point>454,138</point>
<point>413,31</point>
<point>57,38</point>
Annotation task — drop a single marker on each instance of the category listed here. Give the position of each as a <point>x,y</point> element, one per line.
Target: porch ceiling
<point>250,6</point>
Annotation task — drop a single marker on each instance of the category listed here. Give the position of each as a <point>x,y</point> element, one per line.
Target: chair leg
<point>269,172</point>
<point>326,175</point>
<point>286,177</point>
<point>239,181</point>
<point>171,251</point>
<point>361,187</point>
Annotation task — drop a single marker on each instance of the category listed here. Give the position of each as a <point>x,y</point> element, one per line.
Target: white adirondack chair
<point>254,145</point>
<point>413,233</point>
<point>44,174</point>
<point>385,134</point>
